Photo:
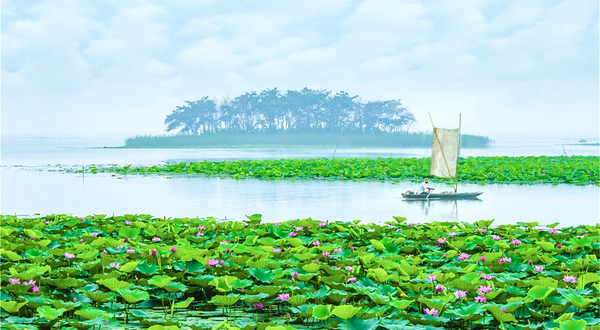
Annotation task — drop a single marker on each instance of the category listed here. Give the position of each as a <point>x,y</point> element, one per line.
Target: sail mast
<point>458,154</point>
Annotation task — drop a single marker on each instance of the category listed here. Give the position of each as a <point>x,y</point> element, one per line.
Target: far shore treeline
<point>307,117</point>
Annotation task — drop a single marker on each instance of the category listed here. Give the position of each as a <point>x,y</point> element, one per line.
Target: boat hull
<point>447,196</point>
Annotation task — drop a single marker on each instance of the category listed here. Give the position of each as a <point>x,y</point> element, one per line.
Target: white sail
<point>444,153</point>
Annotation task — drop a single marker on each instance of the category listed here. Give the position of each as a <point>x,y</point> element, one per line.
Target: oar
<point>429,193</point>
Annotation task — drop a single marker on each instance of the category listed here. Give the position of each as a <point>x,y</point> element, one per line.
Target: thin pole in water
<point>458,154</point>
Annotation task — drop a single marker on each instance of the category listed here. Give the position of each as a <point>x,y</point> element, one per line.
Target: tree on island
<point>306,110</point>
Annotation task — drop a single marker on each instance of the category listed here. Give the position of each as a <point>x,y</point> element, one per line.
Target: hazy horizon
<point>115,69</point>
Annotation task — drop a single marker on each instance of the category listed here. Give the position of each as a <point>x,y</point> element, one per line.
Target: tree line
<point>306,110</point>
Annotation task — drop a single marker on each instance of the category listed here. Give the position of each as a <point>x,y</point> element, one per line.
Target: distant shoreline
<point>298,140</point>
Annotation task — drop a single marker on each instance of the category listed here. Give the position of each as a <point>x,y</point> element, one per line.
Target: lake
<point>35,189</point>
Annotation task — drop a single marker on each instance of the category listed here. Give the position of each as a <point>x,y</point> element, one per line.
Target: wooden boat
<point>444,164</point>
<point>409,195</point>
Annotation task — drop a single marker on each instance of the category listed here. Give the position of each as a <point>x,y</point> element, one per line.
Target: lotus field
<point>136,271</point>
<point>578,170</point>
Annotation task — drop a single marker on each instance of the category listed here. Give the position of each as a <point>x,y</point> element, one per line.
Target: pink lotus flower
<point>129,250</point>
<point>222,262</point>
<point>463,256</point>
<point>439,288</point>
<point>277,223</point>
<point>496,237</point>
<point>316,243</point>
<point>504,260</point>
<point>351,280</point>
<point>337,250</point>
<point>484,289</point>
<point>14,280</point>
<point>515,241</point>
<point>504,309</point>
<point>487,277</point>
<point>35,289</point>
<point>115,265</point>
<point>482,259</point>
<point>293,234</point>
<point>283,297</point>
<point>93,234</point>
<point>276,250</point>
<point>553,231</point>
<point>352,248</point>
<point>452,234</point>
<point>198,234</point>
<point>442,240</point>
<point>538,268</point>
<point>173,249</point>
<point>432,277</point>
<point>30,282</point>
<point>128,223</point>
<point>227,250</point>
<point>104,252</point>
<point>322,224</point>
<point>69,255</point>
<point>201,228</point>
<point>432,312</point>
<point>223,242</point>
<point>299,228</point>
<point>156,239</point>
<point>212,262</point>
<point>559,245</point>
<point>47,222</point>
<point>460,294</point>
<point>530,262</point>
<point>480,299</point>
<point>258,306</point>
<point>481,230</point>
<point>349,268</point>
<point>371,230</point>
<point>126,240</point>
<point>569,279</point>
<point>154,253</point>
<point>326,254</point>
<point>295,274</point>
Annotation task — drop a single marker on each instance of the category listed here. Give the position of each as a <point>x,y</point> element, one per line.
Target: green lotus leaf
<point>297,300</point>
<point>239,284</point>
<point>163,327</point>
<point>65,283</point>
<point>225,300</point>
<point>129,232</point>
<point>345,311</point>
<point>539,293</point>
<point>356,323</point>
<point>160,280</point>
<point>11,255</point>
<point>400,304</point>
<point>129,267</point>
<point>321,312</point>
<point>174,287</point>
<point>500,315</point>
<point>311,268</point>
<point>573,325</point>
<point>260,274</point>
<point>98,296</point>
<point>576,299</point>
<point>113,284</point>
<point>184,304</point>
<point>564,317</point>
<point>223,283</point>
<point>147,269</point>
<point>50,313</point>
<point>90,313</point>
<point>133,296</point>
<point>12,307</point>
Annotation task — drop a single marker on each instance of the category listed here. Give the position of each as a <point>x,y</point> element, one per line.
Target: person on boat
<point>424,188</point>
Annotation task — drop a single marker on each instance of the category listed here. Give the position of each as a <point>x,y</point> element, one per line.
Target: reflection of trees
<point>304,110</point>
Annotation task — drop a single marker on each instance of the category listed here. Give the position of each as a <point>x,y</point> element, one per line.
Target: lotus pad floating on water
<point>137,271</point>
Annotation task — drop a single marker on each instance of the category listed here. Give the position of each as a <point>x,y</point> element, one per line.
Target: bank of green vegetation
<point>139,271</point>
<point>577,170</point>
<point>298,139</point>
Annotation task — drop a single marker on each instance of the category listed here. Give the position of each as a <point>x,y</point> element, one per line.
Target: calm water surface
<point>33,189</point>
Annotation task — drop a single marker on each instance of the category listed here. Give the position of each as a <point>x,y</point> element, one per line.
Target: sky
<point>514,69</point>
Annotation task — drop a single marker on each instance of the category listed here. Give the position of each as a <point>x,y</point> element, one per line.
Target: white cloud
<point>117,68</point>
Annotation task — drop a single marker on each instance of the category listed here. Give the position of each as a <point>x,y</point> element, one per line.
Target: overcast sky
<point>117,68</point>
